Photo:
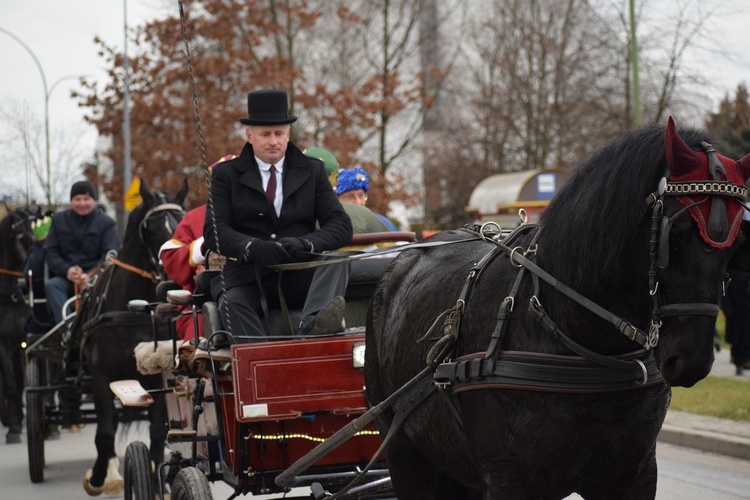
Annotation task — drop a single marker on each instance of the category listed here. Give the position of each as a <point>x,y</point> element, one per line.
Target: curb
<point>735,446</point>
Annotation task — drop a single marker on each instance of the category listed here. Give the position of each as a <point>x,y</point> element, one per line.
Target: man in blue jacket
<point>78,241</point>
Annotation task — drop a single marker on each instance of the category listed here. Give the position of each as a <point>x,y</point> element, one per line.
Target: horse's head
<point>18,235</point>
<point>697,232</point>
<point>155,219</point>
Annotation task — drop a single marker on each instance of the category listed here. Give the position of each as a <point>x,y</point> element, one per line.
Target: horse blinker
<point>718,225</point>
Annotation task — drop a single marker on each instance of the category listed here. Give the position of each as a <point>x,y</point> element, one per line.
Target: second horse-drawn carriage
<point>69,364</point>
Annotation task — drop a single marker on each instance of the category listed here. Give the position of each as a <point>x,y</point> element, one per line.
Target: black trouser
<point>309,289</point>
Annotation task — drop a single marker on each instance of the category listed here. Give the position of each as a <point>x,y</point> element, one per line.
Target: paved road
<point>684,473</point>
<point>723,368</point>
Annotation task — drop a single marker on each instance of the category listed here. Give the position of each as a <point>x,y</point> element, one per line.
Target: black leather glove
<point>266,253</point>
<point>295,245</point>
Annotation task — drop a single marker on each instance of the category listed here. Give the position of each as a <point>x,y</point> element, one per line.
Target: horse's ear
<point>182,193</point>
<point>146,196</point>
<point>681,160</point>
<point>743,167</point>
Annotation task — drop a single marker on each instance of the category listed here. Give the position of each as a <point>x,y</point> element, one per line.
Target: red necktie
<point>271,188</point>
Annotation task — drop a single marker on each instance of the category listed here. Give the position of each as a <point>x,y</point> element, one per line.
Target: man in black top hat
<point>78,241</point>
<point>266,204</point>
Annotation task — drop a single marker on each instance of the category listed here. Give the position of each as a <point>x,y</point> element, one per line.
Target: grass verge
<point>716,397</point>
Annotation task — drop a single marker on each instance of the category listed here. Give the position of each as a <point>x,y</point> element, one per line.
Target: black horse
<point>108,333</point>
<point>543,395</point>
<point>16,239</point>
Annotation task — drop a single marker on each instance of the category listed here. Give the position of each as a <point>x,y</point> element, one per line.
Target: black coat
<point>736,306</point>
<point>75,240</point>
<point>242,212</point>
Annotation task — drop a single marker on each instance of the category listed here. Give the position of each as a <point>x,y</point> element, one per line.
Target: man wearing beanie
<point>78,241</point>
<point>351,187</point>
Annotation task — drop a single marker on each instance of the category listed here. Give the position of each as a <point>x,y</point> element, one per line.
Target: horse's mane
<point>589,225</point>
<point>130,242</point>
<point>134,220</point>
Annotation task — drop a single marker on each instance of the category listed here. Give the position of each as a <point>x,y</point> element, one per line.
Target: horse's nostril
<point>673,368</point>
<point>677,370</point>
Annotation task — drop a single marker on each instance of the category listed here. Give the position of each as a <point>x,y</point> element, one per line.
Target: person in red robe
<point>182,260</point>
<point>182,257</point>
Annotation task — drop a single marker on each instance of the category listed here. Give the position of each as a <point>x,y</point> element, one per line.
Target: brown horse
<point>561,340</point>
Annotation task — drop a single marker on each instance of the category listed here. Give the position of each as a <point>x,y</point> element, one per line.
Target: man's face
<point>82,204</point>
<point>356,196</point>
<point>269,141</point>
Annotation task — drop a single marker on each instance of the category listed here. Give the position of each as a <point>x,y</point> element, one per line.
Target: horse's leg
<point>104,477</point>
<point>157,416</point>
<point>18,366</point>
<point>414,477</point>
<point>12,395</point>
<point>625,482</point>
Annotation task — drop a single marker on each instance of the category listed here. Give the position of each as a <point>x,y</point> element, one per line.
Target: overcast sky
<point>61,34</point>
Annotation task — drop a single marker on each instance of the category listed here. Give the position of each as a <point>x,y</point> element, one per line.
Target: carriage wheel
<point>138,478</point>
<point>35,425</point>
<point>191,484</point>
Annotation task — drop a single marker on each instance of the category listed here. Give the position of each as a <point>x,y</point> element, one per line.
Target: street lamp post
<point>126,107</point>
<point>47,94</point>
<point>48,187</point>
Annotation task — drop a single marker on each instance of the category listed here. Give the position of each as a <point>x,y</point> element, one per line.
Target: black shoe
<point>739,371</point>
<point>328,320</point>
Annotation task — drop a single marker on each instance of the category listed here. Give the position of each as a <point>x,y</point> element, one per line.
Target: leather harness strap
<point>9,272</point>
<point>548,373</point>
<point>137,270</point>
<point>622,325</point>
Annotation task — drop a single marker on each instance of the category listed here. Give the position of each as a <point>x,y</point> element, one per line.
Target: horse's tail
<point>131,422</point>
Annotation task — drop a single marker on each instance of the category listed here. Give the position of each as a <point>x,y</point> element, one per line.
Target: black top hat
<point>267,107</point>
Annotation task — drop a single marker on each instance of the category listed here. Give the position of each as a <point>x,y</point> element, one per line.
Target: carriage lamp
<point>358,355</point>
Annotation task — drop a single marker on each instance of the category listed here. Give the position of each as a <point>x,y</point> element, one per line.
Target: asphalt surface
<point>718,435</point>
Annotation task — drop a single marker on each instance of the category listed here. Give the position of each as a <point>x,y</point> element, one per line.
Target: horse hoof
<point>12,437</point>
<point>92,490</point>
<point>116,487</point>
<point>113,482</point>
